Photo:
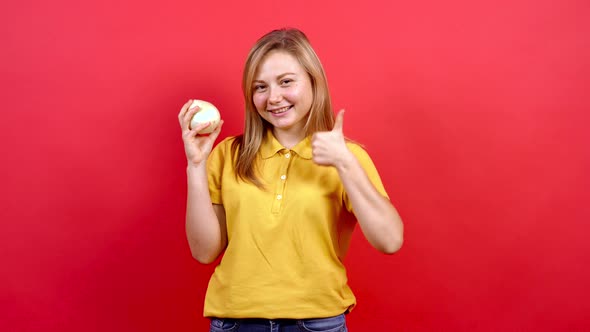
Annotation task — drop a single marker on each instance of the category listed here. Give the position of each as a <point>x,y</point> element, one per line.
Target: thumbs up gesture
<point>329,147</point>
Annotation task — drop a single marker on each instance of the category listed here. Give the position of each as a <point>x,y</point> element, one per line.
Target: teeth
<point>281,110</point>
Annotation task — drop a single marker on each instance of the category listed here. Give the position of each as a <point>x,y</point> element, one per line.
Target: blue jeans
<point>330,324</point>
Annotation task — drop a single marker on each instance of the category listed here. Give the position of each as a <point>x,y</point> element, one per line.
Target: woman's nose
<point>275,96</point>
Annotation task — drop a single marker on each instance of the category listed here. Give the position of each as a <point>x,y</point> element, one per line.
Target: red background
<point>476,114</point>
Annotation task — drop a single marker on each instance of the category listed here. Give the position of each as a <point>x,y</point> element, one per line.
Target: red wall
<point>475,113</point>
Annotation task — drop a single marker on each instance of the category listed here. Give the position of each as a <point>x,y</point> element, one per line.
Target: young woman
<point>282,199</point>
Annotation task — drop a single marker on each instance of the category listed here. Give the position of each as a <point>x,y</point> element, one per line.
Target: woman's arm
<point>205,222</point>
<point>377,217</point>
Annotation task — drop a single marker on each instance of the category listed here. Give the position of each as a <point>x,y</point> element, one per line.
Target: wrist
<point>346,161</point>
<point>196,168</point>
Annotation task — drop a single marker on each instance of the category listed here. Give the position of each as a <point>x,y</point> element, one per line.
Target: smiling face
<point>282,94</point>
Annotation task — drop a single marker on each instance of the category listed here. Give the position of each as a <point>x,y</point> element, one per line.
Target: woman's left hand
<point>329,147</point>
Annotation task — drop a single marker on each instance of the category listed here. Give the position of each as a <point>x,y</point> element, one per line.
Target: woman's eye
<point>286,81</point>
<point>258,87</point>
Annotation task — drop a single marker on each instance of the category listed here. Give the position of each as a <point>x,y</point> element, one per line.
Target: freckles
<point>259,101</point>
<point>293,92</point>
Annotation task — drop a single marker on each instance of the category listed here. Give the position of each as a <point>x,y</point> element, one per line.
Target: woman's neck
<point>288,138</point>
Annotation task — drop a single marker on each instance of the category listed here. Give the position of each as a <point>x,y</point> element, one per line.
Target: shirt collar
<point>271,146</point>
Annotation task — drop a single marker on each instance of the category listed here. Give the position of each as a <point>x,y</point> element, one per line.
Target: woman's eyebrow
<point>285,74</point>
<point>278,77</point>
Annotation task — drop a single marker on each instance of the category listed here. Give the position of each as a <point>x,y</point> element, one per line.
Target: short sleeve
<point>215,165</point>
<point>367,164</point>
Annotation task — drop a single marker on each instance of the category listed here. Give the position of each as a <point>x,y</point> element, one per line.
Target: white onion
<point>206,113</point>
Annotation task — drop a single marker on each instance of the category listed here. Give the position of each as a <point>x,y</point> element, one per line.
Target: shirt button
<point>279,197</point>
<point>288,155</point>
<point>283,177</point>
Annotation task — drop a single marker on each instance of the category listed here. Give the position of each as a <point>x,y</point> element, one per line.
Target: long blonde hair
<point>320,117</point>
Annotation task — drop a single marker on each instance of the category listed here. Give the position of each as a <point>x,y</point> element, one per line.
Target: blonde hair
<point>320,117</point>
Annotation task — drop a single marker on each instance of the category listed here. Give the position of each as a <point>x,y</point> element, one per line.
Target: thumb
<point>338,123</point>
<point>215,133</point>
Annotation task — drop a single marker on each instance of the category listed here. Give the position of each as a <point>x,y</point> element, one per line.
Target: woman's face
<point>282,92</point>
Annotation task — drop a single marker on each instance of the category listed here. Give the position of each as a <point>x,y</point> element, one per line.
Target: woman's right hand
<point>197,147</point>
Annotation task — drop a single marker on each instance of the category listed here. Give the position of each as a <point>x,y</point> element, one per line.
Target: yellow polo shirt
<point>286,243</point>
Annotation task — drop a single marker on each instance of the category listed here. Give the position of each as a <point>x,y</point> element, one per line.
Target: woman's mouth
<point>280,110</point>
